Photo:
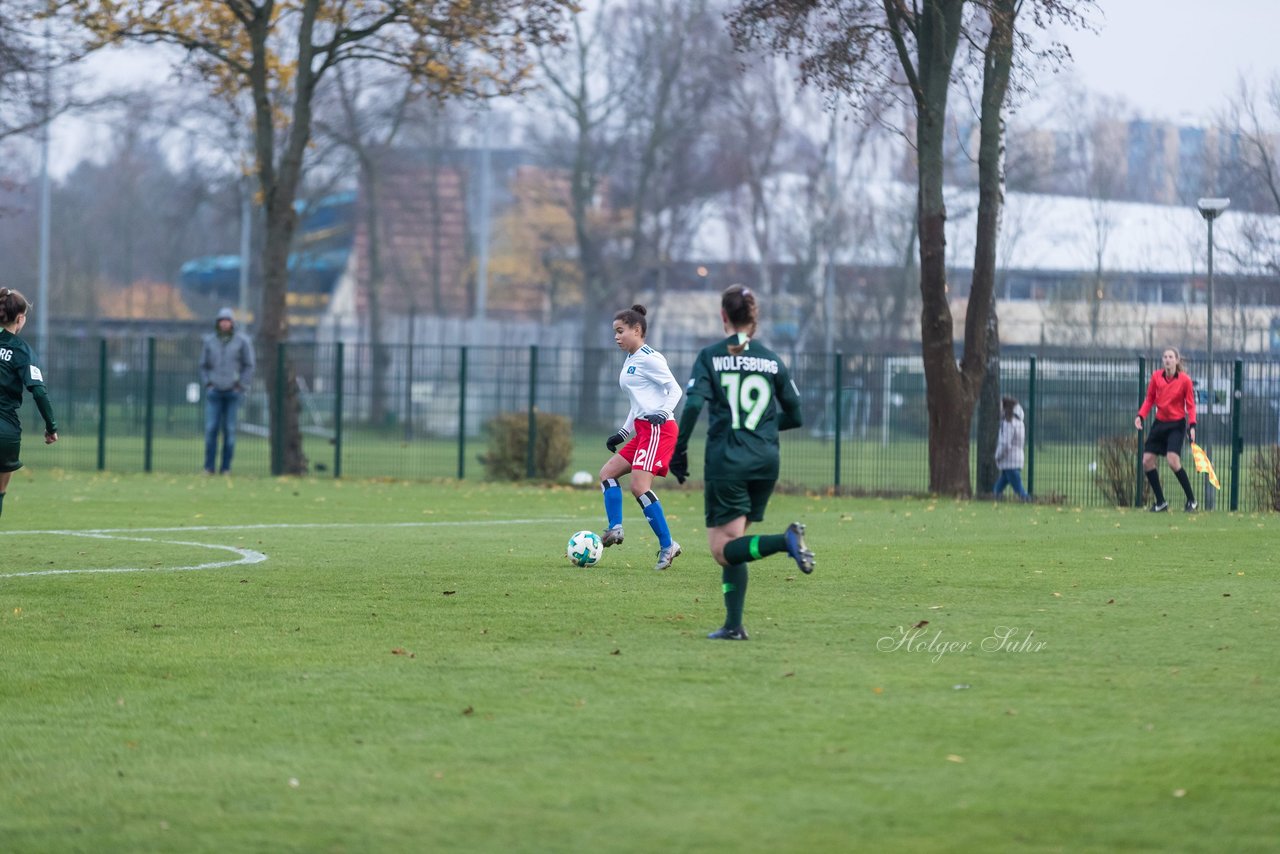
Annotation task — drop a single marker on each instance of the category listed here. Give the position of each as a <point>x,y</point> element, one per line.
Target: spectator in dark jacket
<point>226,370</point>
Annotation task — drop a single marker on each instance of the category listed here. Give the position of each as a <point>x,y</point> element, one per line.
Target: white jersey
<point>649,383</point>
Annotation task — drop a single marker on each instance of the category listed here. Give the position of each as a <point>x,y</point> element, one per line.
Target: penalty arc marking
<point>244,557</point>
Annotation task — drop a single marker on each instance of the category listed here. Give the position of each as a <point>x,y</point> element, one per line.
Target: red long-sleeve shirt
<point>1172,398</point>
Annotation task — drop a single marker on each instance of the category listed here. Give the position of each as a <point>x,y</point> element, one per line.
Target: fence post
<point>408,383</point>
<point>1237,441</point>
<point>339,370</point>
<point>533,410</point>
<point>839,372</point>
<point>149,407</point>
<point>276,424</point>
<point>462,413</point>
<point>102,404</point>
<point>1142,393</point>
<point>1031,426</point>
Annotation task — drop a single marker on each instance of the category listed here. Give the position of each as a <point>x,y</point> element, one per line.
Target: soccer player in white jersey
<point>645,441</point>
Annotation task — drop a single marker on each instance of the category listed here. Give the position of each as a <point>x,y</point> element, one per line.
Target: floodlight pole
<point>1210,209</point>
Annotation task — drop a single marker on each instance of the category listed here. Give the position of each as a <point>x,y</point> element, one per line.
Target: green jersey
<point>751,397</point>
<point>18,371</point>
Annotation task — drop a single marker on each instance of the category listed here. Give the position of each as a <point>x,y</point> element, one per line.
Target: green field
<point>352,666</point>
<point>1063,472</point>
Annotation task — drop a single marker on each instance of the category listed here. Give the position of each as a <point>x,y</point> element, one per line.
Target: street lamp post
<point>1210,209</point>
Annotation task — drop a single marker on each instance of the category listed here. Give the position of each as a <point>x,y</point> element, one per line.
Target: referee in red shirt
<point>1174,398</point>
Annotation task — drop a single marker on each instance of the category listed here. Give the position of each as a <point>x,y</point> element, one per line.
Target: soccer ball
<point>584,548</point>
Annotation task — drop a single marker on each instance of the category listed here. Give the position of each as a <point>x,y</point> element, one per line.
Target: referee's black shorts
<point>1166,437</point>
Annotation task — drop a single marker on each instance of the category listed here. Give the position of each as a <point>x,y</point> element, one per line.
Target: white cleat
<point>667,555</point>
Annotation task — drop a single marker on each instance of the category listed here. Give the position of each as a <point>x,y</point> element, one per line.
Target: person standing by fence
<point>1009,448</point>
<point>751,396</point>
<point>18,371</point>
<point>644,442</point>
<point>226,371</point>
<point>1173,395</point>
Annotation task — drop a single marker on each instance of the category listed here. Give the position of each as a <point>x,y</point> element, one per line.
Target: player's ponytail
<point>12,304</point>
<point>634,316</point>
<point>739,307</point>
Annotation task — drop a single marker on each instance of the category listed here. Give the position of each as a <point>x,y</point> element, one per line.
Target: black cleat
<point>727,633</point>
<point>1191,506</point>
<point>797,549</point>
<point>1159,507</point>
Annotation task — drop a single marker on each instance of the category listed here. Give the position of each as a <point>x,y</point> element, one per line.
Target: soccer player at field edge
<point>644,442</point>
<point>18,371</point>
<point>751,397</point>
<point>1173,395</point>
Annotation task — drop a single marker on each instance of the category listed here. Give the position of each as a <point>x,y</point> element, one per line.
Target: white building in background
<point>1072,272</point>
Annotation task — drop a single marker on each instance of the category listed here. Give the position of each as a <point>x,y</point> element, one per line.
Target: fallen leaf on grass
<point>921,624</point>
<point>951,757</point>
<point>1179,793</point>
<point>468,711</point>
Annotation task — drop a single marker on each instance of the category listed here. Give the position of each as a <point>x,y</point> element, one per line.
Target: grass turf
<point>415,667</point>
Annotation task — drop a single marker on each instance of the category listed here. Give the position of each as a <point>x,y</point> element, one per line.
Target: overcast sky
<point>1178,59</point>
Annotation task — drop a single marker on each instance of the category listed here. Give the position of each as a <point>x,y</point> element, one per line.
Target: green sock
<point>749,548</point>
<point>734,578</point>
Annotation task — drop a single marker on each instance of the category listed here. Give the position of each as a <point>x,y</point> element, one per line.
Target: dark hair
<point>739,306</point>
<point>1009,405</point>
<point>634,316</point>
<point>12,304</point>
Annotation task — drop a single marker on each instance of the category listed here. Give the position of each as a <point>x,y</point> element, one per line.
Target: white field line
<point>246,556</point>
<point>289,525</point>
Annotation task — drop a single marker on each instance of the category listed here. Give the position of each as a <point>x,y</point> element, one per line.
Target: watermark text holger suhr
<point>1009,639</point>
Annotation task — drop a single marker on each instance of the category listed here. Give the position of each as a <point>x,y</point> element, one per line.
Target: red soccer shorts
<point>651,447</point>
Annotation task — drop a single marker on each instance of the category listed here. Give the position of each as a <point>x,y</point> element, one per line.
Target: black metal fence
<point>420,412</point>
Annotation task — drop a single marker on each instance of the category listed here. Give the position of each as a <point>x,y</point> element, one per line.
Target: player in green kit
<point>751,396</point>
<point>18,371</point>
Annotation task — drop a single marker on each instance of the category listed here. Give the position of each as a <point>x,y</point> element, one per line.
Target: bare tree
<point>855,48</point>
<point>634,94</point>
<point>278,54</point>
<point>368,111</point>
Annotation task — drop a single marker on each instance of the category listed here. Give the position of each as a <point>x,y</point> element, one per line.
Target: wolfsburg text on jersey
<point>750,364</point>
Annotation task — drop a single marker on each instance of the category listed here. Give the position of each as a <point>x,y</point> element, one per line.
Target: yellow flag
<point>1203,465</point>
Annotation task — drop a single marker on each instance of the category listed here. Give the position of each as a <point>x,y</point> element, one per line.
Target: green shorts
<point>726,500</point>
<point>10,453</point>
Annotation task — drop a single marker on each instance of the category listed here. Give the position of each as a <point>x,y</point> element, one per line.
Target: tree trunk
<point>286,438</point>
<point>949,404</point>
<point>989,409</point>
<point>279,184</point>
<point>981,365</point>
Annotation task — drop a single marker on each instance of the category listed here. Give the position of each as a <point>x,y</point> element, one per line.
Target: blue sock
<point>657,519</point>
<point>612,501</point>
